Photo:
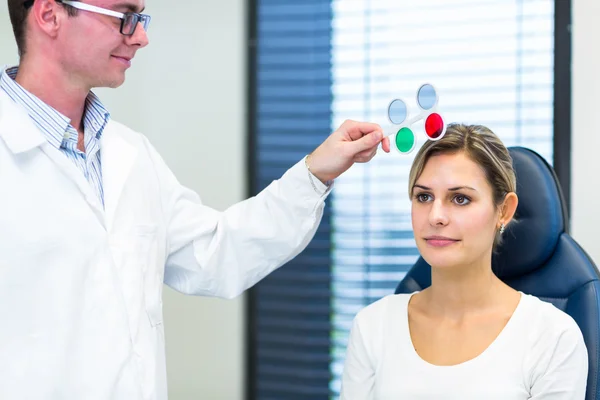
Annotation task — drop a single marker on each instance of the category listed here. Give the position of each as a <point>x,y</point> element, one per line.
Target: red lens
<point>434,125</point>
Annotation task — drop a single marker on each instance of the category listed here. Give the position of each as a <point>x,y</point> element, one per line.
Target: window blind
<point>491,62</point>
<point>290,310</point>
<point>314,64</point>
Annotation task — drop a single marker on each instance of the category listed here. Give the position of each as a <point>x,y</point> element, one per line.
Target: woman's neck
<point>455,293</point>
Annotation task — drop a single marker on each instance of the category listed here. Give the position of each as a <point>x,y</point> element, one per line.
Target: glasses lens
<point>129,23</point>
<point>145,20</point>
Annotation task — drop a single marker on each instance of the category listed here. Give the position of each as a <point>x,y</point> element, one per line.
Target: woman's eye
<point>461,200</point>
<point>422,197</point>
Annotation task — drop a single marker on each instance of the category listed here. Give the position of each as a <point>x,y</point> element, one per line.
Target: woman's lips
<point>440,241</point>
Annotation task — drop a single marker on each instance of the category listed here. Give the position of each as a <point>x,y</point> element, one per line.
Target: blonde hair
<point>482,146</point>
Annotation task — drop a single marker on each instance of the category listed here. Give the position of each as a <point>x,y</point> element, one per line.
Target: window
<point>318,63</point>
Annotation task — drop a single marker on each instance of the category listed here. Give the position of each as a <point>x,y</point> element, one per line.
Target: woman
<point>468,335</point>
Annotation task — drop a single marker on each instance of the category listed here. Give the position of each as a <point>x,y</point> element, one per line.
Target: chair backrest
<point>539,257</point>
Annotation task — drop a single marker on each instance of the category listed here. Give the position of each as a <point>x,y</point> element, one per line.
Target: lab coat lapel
<point>72,172</point>
<point>118,157</point>
<point>16,128</point>
<point>21,135</point>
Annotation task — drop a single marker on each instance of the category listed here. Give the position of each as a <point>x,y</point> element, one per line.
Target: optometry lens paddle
<point>435,128</point>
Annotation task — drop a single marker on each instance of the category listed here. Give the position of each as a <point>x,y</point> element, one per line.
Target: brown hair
<point>18,13</point>
<point>482,146</point>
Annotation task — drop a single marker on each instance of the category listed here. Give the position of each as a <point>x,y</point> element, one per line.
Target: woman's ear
<point>509,207</point>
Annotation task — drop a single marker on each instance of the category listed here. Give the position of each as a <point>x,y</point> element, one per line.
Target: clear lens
<point>426,97</point>
<point>129,23</point>
<point>145,20</point>
<point>397,111</point>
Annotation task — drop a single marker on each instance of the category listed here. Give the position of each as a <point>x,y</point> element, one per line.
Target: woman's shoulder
<point>547,324</point>
<point>546,315</point>
<point>380,320</point>
<point>555,347</point>
<point>391,305</point>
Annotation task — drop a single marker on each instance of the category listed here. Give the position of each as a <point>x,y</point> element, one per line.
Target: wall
<point>585,167</point>
<point>186,92</point>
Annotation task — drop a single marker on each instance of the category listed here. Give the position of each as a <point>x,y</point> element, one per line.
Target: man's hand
<point>352,142</point>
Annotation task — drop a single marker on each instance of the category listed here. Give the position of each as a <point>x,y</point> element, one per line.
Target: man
<point>92,221</point>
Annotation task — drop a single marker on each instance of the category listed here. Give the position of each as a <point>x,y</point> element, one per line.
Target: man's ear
<point>47,16</point>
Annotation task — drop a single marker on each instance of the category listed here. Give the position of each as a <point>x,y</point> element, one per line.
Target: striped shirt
<point>58,131</point>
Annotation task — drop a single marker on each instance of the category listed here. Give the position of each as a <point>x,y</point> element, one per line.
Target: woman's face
<point>454,218</point>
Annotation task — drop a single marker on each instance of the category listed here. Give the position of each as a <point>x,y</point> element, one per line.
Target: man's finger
<point>368,152</point>
<point>385,144</point>
<point>365,157</point>
<point>367,142</point>
<point>357,130</point>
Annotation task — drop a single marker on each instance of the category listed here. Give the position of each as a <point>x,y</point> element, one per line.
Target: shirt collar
<point>52,123</point>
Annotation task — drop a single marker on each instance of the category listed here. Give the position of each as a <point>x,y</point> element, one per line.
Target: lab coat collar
<point>16,128</point>
<point>117,155</point>
<point>20,135</point>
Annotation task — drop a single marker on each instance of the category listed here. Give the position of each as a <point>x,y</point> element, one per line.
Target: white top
<point>540,354</point>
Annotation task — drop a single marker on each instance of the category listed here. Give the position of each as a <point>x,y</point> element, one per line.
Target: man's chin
<point>116,83</point>
<point>111,83</point>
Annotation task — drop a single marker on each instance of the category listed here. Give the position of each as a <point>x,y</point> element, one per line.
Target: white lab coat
<point>81,286</point>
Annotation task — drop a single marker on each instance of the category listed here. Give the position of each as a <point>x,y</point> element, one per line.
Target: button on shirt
<point>59,132</point>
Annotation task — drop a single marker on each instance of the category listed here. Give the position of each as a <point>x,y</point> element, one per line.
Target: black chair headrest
<point>541,217</point>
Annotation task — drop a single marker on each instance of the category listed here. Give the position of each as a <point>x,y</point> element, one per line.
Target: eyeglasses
<point>129,20</point>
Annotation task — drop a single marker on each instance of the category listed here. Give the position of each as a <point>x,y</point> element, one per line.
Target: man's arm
<point>224,253</point>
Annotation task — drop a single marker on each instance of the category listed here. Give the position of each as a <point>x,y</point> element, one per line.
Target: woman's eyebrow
<point>421,187</point>
<point>452,189</point>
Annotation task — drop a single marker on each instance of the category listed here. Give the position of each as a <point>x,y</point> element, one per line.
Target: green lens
<point>405,140</point>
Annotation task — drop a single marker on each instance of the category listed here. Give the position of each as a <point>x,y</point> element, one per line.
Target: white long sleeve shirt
<point>540,354</point>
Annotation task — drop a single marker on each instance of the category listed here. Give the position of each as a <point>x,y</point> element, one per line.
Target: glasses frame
<point>144,19</point>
